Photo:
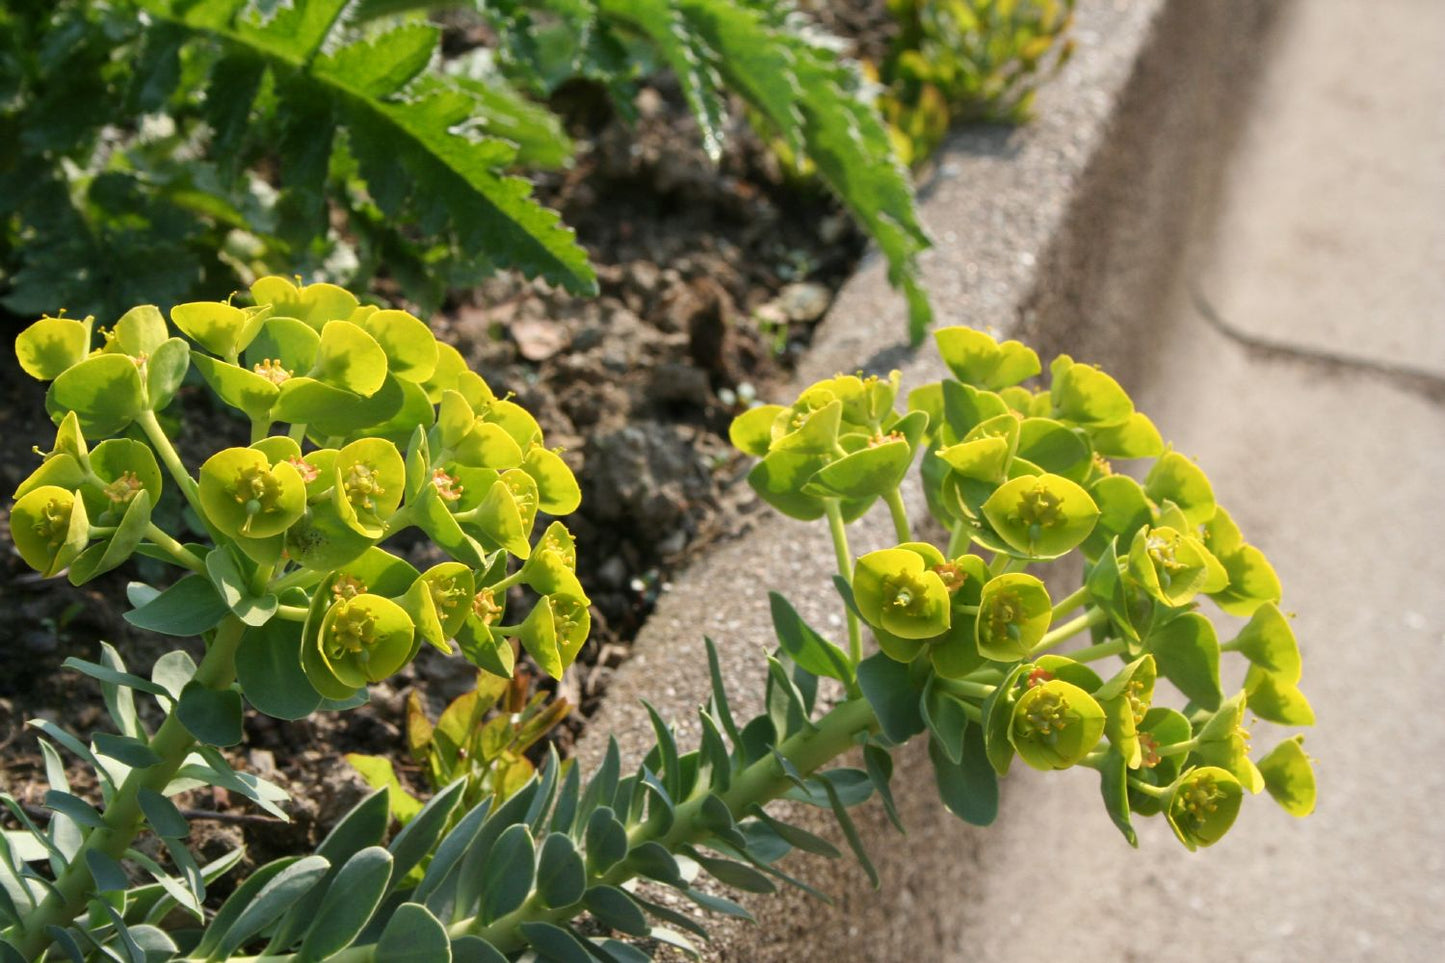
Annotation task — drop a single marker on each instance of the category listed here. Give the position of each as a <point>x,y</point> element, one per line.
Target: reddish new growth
<point>1039,676</point>
<point>446,485</point>
<point>953,576</point>
<point>304,468</point>
<point>348,587</point>
<point>1149,746</point>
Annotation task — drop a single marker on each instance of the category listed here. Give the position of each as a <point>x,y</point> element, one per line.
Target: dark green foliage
<point>143,163</point>
<point>150,149</point>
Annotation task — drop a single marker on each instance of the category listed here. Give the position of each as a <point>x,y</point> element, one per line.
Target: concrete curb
<point>1066,233</point>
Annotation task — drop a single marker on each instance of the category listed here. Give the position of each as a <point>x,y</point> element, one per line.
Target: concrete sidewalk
<point>1319,413</point>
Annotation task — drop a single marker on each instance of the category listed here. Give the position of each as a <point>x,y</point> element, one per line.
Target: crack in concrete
<point>1418,381</point>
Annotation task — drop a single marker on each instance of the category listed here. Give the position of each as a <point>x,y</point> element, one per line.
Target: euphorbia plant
<point>363,425</point>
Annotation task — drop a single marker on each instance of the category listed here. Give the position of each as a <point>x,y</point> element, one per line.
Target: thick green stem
<point>1158,792</point>
<point>172,460</point>
<point>293,613</point>
<point>958,539</point>
<point>123,817</point>
<point>506,583</point>
<point>1071,601</point>
<point>1003,563</point>
<point>1068,630</point>
<point>759,783</point>
<point>182,555</point>
<point>965,687</point>
<point>1101,651</point>
<point>839,532</point>
<point>298,578</point>
<point>899,511</point>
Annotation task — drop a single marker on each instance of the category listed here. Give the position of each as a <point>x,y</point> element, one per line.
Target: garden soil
<point>712,277</point>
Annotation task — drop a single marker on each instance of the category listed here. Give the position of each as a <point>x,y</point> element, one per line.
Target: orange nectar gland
<point>1149,747</point>
<point>883,438</point>
<point>485,607</point>
<point>257,489</point>
<point>1038,509</point>
<point>953,576</point>
<point>1198,798</point>
<point>1047,714</point>
<point>446,485</point>
<point>347,587</point>
<point>353,631</point>
<point>360,484</point>
<point>271,370</point>
<point>1038,676</point>
<point>123,489</point>
<point>308,472</point>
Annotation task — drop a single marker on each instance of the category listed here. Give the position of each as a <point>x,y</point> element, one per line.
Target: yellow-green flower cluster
<point>363,424</point>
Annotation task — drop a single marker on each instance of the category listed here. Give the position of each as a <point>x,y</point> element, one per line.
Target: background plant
<point>469,742</point>
<point>302,608</point>
<point>157,148</point>
<point>968,60</point>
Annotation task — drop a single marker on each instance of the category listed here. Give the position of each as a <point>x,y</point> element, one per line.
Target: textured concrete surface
<point>1329,240</point>
<point>1337,203</point>
<point>1070,229</point>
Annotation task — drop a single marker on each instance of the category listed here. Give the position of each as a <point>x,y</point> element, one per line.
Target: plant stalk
<point>182,555</point>
<point>759,783</point>
<point>1072,601</point>
<point>839,531</point>
<point>899,511</point>
<point>123,817</point>
<point>1071,628</point>
<point>172,460</point>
